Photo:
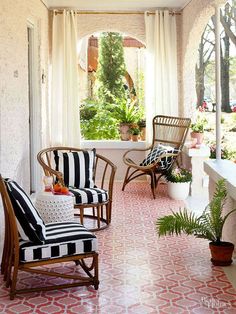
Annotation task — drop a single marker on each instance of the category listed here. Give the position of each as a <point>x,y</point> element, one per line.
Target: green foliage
<point>207,226</point>
<point>226,153</point>
<point>97,122</point>
<point>111,68</point>
<point>134,131</point>
<point>125,111</point>
<point>178,175</point>
<point>199,125</point>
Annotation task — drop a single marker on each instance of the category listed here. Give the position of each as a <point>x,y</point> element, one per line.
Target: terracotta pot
<point>143,134</point>
<point>135,138</point>
<point>221,254</point>
<point>124,132</point>
<point>178,190</point>
<point>198,136</point>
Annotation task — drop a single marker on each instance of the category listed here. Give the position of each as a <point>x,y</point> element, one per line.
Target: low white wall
<point>224,169</point>
<point>114,151</point>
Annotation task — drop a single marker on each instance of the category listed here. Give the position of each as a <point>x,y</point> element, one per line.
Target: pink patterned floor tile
<point>140,273</point>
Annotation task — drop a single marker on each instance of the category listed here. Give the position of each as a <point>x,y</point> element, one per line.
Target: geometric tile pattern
<point>139,272</point>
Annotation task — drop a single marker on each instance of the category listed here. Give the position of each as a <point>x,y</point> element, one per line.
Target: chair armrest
<point>129,161</point>
<point>108,172</point>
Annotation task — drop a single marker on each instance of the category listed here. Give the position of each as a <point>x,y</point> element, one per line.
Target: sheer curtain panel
<point>65,120</point>
<point>161,69</point>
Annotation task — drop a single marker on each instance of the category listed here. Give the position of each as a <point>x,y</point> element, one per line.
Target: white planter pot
<point>178,190</point>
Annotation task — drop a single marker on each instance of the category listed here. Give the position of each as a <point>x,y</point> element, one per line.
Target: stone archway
<point>192,31</point>
<point>131,25</point>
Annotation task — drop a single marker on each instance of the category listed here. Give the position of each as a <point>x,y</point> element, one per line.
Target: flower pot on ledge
<point>199,136</point>
<point>124,131</point>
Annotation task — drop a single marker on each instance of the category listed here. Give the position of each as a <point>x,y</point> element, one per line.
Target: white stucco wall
<point>14,107</point>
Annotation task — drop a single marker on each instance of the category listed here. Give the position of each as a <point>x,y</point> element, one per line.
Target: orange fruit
<point>64,190</point>
<point>57,187</point>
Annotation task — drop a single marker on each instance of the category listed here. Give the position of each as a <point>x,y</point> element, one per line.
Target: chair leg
<point>153,184</point>
<point>13,284</point>
<point>98,215</point>
<point>125,179</point>
<point>81,216</point>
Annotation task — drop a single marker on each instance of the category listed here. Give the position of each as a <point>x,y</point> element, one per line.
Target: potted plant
<point>142,127</point>
<point>125,111</point>
<point>178,183</point>
<point>207,226</point>
<point>134,134</point>
<point>197,128</point>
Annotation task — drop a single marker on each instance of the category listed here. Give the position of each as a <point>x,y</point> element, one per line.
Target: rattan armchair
<point>63,242</point>
<point>103,177</point>
<point>166,131</point>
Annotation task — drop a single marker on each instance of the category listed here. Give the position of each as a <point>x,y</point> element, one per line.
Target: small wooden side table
<point>55,208</point>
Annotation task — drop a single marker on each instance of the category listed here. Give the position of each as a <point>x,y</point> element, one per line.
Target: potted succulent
<point>178,183</point>
<point>197,128</point>
<point>207,226</point>
<point>134,134</point>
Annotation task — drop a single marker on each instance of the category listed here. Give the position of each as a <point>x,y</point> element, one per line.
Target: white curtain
<point>82,49</point>
<point>65,120</point>
<point>161,84</point>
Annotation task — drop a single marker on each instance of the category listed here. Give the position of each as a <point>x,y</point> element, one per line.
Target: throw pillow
<point>30,224</point>
<point>156,152</point>
<point>77,167</point>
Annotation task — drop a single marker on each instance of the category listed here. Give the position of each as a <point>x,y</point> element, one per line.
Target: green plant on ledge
<point>199,125</point>
<point>134,131</point>
<point>207,226</point>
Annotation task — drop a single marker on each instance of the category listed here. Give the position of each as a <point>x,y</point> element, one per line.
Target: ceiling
<point>106,5</point>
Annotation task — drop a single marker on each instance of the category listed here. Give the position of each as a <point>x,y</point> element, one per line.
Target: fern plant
<point>207,226</point>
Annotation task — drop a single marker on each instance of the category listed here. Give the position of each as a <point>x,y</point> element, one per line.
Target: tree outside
<point>205,80</point>
<point>113,99</point>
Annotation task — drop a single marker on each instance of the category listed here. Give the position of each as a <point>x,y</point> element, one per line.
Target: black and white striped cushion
<point>30,224</point>
<point>62,239</point>
<point>77,167</point>
<point>165,162</point>
<point>89,196</point>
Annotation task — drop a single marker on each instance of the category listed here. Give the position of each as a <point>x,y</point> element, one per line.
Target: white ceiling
<point>106,5</point>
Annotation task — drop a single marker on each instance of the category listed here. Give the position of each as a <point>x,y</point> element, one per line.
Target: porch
<point>163,275</point>
<point>139,272</point>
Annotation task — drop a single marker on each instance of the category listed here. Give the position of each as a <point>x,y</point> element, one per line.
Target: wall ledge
<point>110,144</point>
<point>223,169</point>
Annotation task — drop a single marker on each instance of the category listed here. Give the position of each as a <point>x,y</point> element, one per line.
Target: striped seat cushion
<point>77,167</point>
<point>156,153</point>
<point>62,239</point>
<point>90,196</point>
<point>29,222</point>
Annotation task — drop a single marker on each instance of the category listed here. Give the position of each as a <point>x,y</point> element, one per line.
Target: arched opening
<point>133,83</point>
<point>202,99</point>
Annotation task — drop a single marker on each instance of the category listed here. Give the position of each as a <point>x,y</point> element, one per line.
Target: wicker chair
<point>166,131</point>
<point>63,242</point>
<point>103,177</point>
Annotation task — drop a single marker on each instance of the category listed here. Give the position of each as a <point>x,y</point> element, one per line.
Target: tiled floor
<point>139,272</point>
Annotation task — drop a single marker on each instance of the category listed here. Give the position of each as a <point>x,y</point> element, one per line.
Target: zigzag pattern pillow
<point>30,224</point>
<point>77,167</point>
<point>154,154</point>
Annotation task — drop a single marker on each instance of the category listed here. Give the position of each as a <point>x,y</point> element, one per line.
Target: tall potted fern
<point>207,226</point>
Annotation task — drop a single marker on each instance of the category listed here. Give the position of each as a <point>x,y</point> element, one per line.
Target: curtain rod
<point>117,12</point>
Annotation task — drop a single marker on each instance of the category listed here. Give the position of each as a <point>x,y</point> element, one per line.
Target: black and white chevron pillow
<point>157,151</point>
<point>77,167</point>
<point>29,222</point>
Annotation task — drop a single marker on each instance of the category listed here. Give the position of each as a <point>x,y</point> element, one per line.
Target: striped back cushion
<point>77,167</point>
<point>30,225</point>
